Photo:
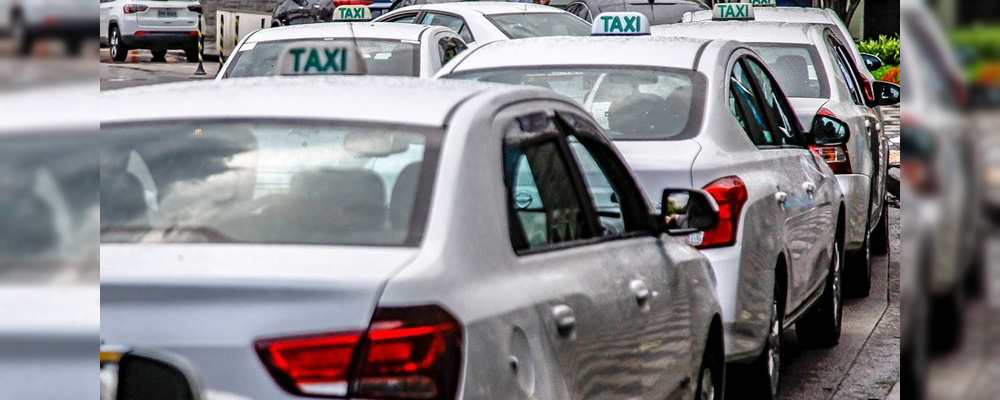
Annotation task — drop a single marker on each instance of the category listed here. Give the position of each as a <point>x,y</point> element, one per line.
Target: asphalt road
<point>863,366</point>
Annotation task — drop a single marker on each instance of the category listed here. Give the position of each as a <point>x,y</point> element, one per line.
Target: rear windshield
<point>529,25</point>
<point>49,208</point>
<point>629,103</point>
<point>383,57</point>
<point>264,182</point>
<point>797,69</point>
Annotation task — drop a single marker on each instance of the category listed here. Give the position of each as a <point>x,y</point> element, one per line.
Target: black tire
<point>761,380</point>
<point>191,54</point>
<point>947,321</point>
<point>880,236</point>
<point>159,55</point>
<point>821,327</point>
<point>74,47</point>
<point>711,376</point>
<point>858,272</point>
<point>119,52</point>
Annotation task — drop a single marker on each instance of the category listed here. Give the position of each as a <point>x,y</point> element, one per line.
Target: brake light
<point>920,176</point>
<point>135,8</point>
<point>866,85</point>
<point>834,156</point>
<point>407,353</point>
<point>195,8</point>
<point>730,193</point>
<point>338,3</point>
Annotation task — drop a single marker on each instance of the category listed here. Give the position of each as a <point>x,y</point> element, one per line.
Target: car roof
<point>487,7</point>
<point>808,15</point>
<point>744,31</point>
<point>59,109</point>
<point>374,30</point>
<point>405,101</point>
<point>588,50</point>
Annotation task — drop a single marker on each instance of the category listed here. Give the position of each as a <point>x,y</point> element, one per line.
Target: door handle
<point>641,292</point>
<point>781,197</point>
<point>565,320</point>
<point>868,124</point>
<point>809,188</point>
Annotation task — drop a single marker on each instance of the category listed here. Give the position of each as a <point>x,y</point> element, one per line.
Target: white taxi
<point>388,49</point>
<point>710,114</point>
<point>479,242</point>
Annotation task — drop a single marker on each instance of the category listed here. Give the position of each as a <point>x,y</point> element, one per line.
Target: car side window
<point>787,134</point>
<point>845,72</point>
<point>545,205</point>
<point>603,194</point>
<point>746,107</point>
<point>580,10</point>
<point>449,47</point>
<point>403,19</point>
<point>448,21</point>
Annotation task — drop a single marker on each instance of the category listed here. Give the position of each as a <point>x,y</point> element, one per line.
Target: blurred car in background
<point>485,22</point>
<point>28,21</point>
<point>158,26</point>
<point>658,12</point>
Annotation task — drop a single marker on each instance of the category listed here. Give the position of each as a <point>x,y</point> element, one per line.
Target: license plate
<point>167,13</point>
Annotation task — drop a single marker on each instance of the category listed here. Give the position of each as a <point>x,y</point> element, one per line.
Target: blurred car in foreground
<point>49,271</point>
<point>28,21</point>
<point>155,25</point>
<point>450,249</point>
<point>815,70</point>
<point>727,127</point>
<point>484,22</point>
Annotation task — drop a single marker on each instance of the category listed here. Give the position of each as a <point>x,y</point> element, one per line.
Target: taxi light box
<point>352,13</point>
<point>321,59</point>
<point>733,12</point>
<point>760,3</point>
<point>620,23</point>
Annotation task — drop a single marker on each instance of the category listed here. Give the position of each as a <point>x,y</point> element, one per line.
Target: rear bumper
<point>69,29</point>
<point>857,198</point>
<point>161,40</point>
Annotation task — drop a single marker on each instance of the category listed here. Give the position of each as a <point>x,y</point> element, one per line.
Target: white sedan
<point>709,113</point>
<point>479,242</point>
<point>484,22</point>
<point>388,49</point>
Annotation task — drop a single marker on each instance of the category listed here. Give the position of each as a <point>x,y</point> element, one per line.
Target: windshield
<point>795,68</point>
<point>49,208</point>
<point>529,25</point>
<point>630,104</point>
<point>383,57</point>
<point>263,182</point>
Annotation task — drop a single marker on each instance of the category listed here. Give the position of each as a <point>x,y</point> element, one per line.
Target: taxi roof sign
<point>321,58</point>
<point>620,24</point>
<point>761,3</point>
<point>732,12</point>
<point>352,13</point>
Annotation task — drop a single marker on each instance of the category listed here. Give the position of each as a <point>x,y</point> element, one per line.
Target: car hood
<point>660,164</point>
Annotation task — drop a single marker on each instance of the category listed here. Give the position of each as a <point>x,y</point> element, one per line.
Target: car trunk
<point>168,14</point>
<point>806,109</point>
<point>660,164</point>
<point>210,303</point>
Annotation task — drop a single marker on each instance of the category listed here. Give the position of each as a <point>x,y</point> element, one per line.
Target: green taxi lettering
<point>735,11</point>
<point>352,13</point>
<point>615,25</point>
<point>330,60</point>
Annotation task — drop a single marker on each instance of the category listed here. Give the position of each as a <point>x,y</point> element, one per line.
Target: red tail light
<point>866,85</point>
<point>338,3</point>
<point>731,195</point>
<point>407,353</point>
<point>135,8</point>
<point>195,8</point>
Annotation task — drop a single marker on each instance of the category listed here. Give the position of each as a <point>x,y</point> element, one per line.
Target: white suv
<point>157,25</point>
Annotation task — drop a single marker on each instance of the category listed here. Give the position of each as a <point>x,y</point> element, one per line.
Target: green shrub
<point>885,47</point>
<point>983,42</point>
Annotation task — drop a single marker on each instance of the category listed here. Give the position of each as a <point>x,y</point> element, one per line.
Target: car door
<point>861,119</point>
<point>453,22</point>
<point>660,315</point>
<point>809,210</point>
<point>580,290</point>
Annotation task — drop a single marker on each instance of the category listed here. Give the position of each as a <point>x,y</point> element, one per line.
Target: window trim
<point>776,88</point>
<point>424,13</point>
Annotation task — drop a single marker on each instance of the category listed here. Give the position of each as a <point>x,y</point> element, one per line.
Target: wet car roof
<point>375,30</point>
<point>58,109</point>
<point>487,7</point>
<point>745,31</point>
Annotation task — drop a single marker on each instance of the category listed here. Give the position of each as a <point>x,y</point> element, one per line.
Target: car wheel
<point>947,321</point>
<point>763,375</point>
<point>74,47</point>
<point>25,43</point>
<point>858,271</point>
<point>159,55</point>
<point>711,378</point>
<point>191,54</point>
<point>119,52</point>
<point>822,325</point>
<point>880,237</point>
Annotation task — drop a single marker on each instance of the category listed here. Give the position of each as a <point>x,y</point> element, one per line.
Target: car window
<point>449,47</point>
<point>604,195</point>
<point>580,10</point>
<point>448,21</point>
<point>529,25</point>
<point>795,68</point>
<point>403,19</point>
<point>774,105</point>
<point>743,96</point>
<point>270,181</point>
<point>546,207</point>
<point>844,72</point>
<point>382,57</point>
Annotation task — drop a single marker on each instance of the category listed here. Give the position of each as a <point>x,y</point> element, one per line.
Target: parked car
<point>27,21</point>
<point>727,127</point>
<point>236,229</point>
<point>158,26</point>
<point>815,70</point>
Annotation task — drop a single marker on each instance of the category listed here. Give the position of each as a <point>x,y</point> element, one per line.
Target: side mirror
<point>686,211</point>
<point>886,94</point>
<point>829,131</point>
<point>872,62</point>
<point>145,375</point>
